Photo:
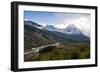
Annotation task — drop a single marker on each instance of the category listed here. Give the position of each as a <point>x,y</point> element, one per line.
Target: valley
<point>72,45</point>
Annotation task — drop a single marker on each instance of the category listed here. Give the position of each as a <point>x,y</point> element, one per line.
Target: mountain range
<point>70,29</point>
<point>37,35</point>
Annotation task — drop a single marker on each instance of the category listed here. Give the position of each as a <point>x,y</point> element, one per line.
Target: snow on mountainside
<point>71,29</point>
<point>51,28</point>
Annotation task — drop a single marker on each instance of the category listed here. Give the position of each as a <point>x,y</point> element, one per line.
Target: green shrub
<point>65,52</point>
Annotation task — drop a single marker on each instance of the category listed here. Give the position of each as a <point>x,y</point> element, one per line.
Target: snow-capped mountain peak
<point>50,28</point>
<point>71,29</point>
